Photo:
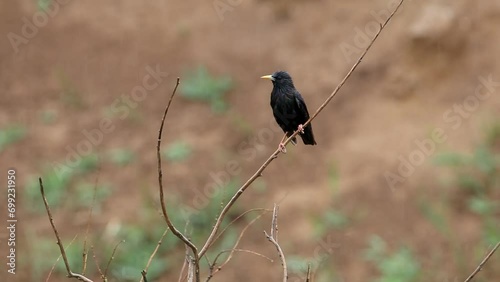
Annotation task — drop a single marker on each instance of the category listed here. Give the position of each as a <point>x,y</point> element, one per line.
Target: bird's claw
<point>282,148</point>
<point>301,128</point>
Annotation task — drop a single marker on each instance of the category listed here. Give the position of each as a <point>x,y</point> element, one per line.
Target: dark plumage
<point>289,108</point>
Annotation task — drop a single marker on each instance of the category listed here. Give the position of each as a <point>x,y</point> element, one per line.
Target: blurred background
<point>402,186</point>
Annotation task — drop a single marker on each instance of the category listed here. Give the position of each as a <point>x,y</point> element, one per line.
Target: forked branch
<point>273,238</point>
<point>177,233</point>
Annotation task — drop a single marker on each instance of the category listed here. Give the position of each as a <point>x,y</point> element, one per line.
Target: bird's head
<point>280,78</point>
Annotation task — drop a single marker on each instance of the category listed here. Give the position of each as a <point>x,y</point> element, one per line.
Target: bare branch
<point>85,251</point>
<point>308,275</point>
<point>174,230</point>
<point>274,222</point>
<point>274,155</point>
<point>96,262</point>
<point>190,270</point>
<point>111,258</point>
<point>61,248</point>
<point>144,278</point>
<point>186,260</point>
<point>232,250</point>
<point>237,218</point>
<point>273,238</point>
<point>144,272</point>
<point>58,258</point>
<point>480,266</point>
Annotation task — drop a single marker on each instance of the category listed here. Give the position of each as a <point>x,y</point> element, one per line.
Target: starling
<point>289,109</point>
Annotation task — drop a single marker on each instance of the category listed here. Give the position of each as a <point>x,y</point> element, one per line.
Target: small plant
<point>48,117</point>
<point>400,266</point>
<point>121,157</point>
<point>331,219</point>
<point>87,164</point>
<point>57,185</point>
<point>177,152</point>
<point>139,241</point>
<point>69,94</point>
<point>11,135</point>
<point>43,4</point>
<point>199,85</point>
<point>43,256</point>
<point>84,195</point>
<point>478,177</point>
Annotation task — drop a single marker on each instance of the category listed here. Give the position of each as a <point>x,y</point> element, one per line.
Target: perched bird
<point>289,109</point>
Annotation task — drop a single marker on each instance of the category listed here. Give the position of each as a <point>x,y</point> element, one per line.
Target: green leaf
<point>199,85</point>
<point>376,249</point>
<point>121,157</point>
<point>450,159</point>
<point>85,194</point>
<point>399,267</point>
<point>55,184</point>
<point>177,151</point>
<point>11,135</point>
<point>484,159</point>
<point>481,205</point>
<point>470,182</point>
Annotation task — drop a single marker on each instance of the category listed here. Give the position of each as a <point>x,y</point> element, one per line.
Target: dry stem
<point>170,225</point>
<point>61,248</point>
<point>273,238</point>
<point>480,266</point>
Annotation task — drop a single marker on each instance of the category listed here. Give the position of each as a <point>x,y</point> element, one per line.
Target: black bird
<point>289,108</point>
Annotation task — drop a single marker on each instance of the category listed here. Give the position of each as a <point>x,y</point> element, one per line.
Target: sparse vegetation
<point>400,266</point>
<point>177,152</point>
<point>121,157</point>
<point>478,179</point>
<point>200,85</point>
<point>11,135</point>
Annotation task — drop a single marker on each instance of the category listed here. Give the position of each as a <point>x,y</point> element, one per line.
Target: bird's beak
<point>270,77</point>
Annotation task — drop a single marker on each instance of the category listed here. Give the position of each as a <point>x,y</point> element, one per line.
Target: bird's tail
<point>308,136</point>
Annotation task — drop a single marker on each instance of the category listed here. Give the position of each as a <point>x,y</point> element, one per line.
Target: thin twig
<point>111,258</point>
<point>236,219</point>
<point>174,230</point>
<point>274,155</point>
<point>186,261</point>
<point>232,250</point>
<point>58,258</point>
<point>308,275</point>
<point>85,250</point>
<point>145,270</point>
<point>144,278</point>
<point>273,238</point>
<point>274,222</point>
<point>480,266</point>
<point>95,261</point>
<point>244,251</point>
<point>190,271</point>
<point>61,248</point>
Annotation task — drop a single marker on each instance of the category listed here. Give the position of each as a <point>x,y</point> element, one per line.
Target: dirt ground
<point>433,55</point>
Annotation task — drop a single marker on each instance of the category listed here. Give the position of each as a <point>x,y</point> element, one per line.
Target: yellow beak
<point>270,77</point>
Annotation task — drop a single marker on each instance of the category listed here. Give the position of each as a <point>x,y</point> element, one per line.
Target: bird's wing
<point>301,106</point>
